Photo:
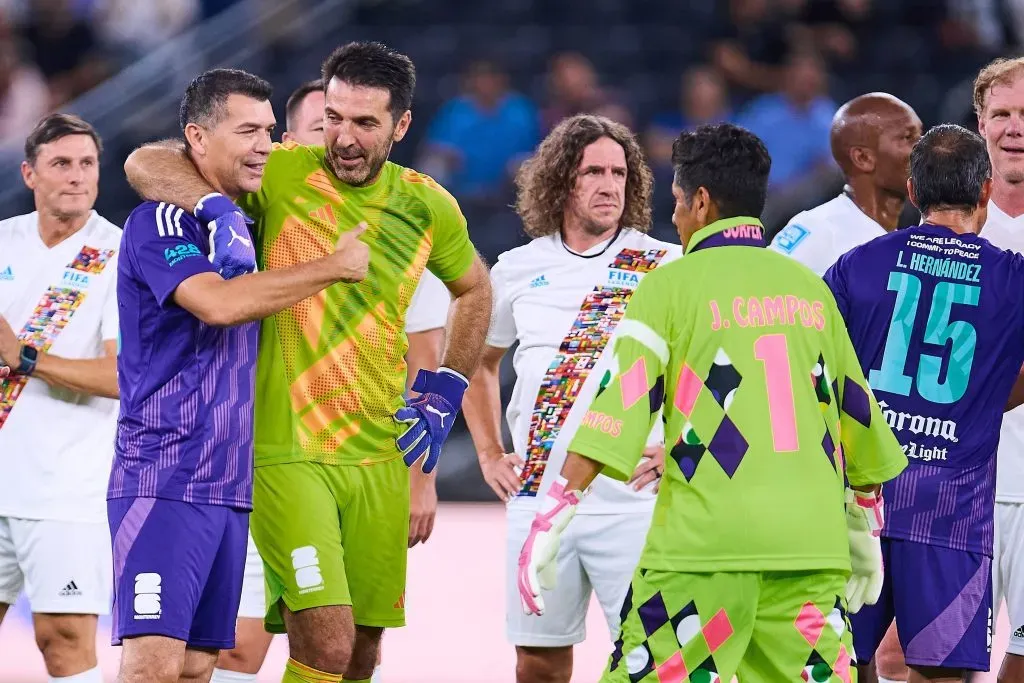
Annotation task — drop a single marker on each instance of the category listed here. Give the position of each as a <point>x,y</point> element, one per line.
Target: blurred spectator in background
<point>573,88</point>
<point>65,48</point>
<point>476,141</point>
<point>24,97</point>
<point>703,98</point>
<point>130,28</point>
<point>831,25</point>
<point>617,111</point>
<point>794,124</point>
<point>750,45</point>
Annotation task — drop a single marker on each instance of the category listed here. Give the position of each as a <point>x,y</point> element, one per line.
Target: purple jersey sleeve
<point>937,321</point>
<point>165,250</point>
<point>835,278</point>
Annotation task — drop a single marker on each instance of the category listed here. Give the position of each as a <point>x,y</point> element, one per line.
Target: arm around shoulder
<point>162,172</point>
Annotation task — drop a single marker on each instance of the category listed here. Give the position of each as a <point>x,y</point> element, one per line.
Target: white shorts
<point>254,597</point>
<point>1008,570</point>
<point>64,567</point>
<point>597,552</point>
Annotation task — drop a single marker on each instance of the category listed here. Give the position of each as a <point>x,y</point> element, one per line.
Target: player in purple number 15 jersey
<point>936,315</point>
<point>181,484</point>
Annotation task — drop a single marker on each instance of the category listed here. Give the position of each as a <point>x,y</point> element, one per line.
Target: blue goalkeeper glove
<point>231,247</point>
<point>430,416</point>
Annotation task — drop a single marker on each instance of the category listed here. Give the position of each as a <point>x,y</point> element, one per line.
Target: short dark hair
<point>949,166</point>
<point>296,98</point>
<point>730,162</point>
<point>205,96</point>
<point>55,127</point>
<point>374,65</point>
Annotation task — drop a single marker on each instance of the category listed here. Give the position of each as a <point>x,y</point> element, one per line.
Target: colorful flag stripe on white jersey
<point>577,355</point>
<point>50,317</point>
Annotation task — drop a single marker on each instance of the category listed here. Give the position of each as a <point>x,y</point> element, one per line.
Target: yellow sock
<point>353,680</point>
<point>297,672</point>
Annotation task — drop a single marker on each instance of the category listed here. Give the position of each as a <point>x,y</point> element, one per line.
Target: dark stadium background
<point>123,64</point>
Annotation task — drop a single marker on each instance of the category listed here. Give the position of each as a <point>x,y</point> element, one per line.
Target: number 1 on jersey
<point>773,352</point>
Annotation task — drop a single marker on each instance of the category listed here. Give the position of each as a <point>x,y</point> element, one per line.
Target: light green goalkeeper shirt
<point>767,411</point>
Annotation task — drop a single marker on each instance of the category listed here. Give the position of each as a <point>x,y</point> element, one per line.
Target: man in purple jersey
<point>181,484</point>
<point>936,315</point>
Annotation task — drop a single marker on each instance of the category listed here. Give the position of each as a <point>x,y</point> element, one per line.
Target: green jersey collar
<point>740,231</point>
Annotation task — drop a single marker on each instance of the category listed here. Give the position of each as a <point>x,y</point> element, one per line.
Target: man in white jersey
<point>424,326</point>
<point>871,137</point>
<point>999,104</point>
<point>585,199</point>
<point>58,333</point>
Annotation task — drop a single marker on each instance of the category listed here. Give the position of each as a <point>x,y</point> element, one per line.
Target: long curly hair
<point>546,181</point>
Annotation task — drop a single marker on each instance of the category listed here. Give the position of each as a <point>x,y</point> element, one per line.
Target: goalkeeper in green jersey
<point>747,566</point>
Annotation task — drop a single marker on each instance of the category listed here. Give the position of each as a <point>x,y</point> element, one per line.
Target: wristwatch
<point>29,355</point>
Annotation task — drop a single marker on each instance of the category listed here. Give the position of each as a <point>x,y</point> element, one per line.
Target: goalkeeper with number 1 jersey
<point>747,567</point>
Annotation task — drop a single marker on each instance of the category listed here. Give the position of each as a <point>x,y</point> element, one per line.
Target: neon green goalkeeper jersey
<point>765,405</point>
<point>331,370</point>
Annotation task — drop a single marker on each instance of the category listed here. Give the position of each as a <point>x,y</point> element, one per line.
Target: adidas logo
<point>539,282</point>
<point>7,274</point>
<point>400,603</point>
<point>1019,633</point>
<point>70,590</point>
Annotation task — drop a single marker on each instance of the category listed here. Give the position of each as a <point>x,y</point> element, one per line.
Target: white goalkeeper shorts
<point>1008,570</point>
<point>64,567</point>
<point>254,598</point>
<point>597,553</point>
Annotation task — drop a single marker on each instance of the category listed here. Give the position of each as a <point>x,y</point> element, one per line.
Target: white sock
<point>225,676</point>
<point>91,676</point>
<point>886,680</point>
<point>375,678</point>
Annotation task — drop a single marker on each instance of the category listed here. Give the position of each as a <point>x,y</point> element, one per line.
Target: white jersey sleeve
<point>813,248</point>
<point>502,332</point>
<point>819,236</point>
<point>428,309</point>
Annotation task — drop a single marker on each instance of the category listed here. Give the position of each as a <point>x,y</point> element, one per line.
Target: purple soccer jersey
<point>185,427</point>
<point>937,320</point>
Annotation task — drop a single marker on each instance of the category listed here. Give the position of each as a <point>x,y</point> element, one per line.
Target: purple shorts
<point>177,570</point>
<point>942,602</point>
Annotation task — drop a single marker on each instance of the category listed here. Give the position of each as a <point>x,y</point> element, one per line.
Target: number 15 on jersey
<point>959,336</point>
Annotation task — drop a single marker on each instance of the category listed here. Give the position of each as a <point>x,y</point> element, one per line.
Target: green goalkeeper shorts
<point>333,535</point>
<point>759,627</point>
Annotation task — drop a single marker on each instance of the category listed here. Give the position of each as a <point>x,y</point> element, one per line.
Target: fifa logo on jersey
<point>75,279</point>
<point>622,278</point>
<point>307,569</point>
<point>147,596</point>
